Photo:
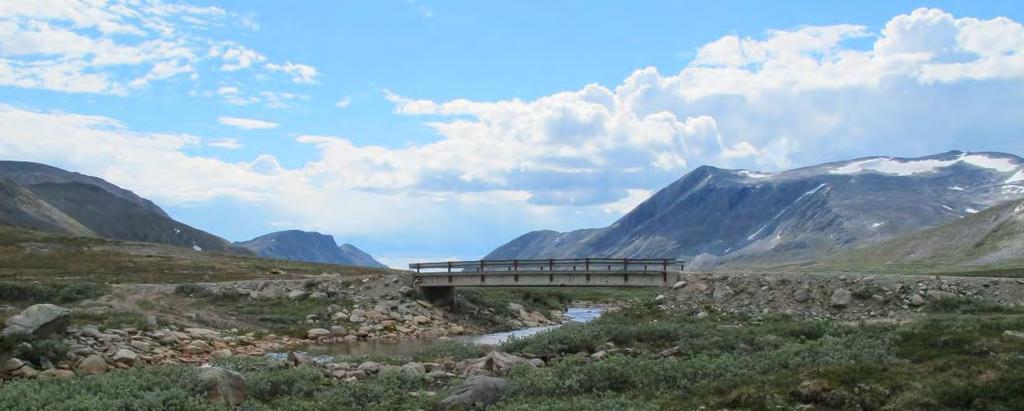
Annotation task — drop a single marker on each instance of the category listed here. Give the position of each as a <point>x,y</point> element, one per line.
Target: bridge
<point>437,280</point>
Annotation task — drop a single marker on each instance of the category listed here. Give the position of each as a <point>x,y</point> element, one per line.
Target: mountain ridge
<point>717,216</point>
<point>308,246</point>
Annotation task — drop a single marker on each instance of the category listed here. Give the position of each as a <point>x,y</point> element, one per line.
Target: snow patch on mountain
<point>889,165</point>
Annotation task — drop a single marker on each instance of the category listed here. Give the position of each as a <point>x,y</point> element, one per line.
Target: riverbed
<point>406,348</point>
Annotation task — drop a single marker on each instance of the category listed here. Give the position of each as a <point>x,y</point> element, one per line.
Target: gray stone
<point>125,356</point>
<point>802,295</point>
<point>475,392</point>
<point>722,292</point>
<point>840,298</point>
<point>1011,335</point>
<point>92,365</point>
<point>916,300</point>
<point>659,298</point>
<point>40,320</point>
<point>11,365</point>
<point>678,285</point>
<point>222,386</point>
<point>318,333</point>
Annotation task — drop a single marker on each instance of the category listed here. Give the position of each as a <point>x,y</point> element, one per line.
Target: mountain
<point>993,237</point>
<point>100,207</point>
<point>740,217</point>
<point>359,257</point>
<point>19,207</point>
<point>309,247</point>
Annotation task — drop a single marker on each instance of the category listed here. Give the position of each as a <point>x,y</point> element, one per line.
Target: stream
<point>405,348</point>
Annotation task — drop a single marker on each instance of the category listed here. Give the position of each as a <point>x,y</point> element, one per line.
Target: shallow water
<point>406,348</point>
<point>575,315</point>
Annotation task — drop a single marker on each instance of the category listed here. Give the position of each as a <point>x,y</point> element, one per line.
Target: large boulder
<point>92,365</point>
<point>840,298</point>
<point>475,392</point>
<point>40,320</point>
<point>222,385</point>
<point>494,362</point>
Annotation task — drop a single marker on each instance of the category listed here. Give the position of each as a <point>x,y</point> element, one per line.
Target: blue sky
<point>425,129</point>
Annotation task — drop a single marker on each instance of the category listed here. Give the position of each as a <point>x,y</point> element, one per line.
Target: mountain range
<point>717,217</point>
<point>310,247</point>
<point>45,198</point>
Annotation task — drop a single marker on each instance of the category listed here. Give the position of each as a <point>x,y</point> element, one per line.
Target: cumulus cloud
<point>929,82</point>
<point>116,47</point>
<point>344,102</point>
<point>246,123</point>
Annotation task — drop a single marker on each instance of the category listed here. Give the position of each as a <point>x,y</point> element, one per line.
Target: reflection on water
<point>406,348</point>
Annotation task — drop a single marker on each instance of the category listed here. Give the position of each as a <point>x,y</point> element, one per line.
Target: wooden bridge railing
<point>553,264</point>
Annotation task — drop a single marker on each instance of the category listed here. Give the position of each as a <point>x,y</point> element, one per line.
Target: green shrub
<point>56,293</point>
<point>28,348</point>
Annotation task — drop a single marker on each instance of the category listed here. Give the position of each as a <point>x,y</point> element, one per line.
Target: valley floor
<point>712,341</point>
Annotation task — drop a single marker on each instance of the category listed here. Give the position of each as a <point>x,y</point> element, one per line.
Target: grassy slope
<point>984,244</point>
<point>37,256</point>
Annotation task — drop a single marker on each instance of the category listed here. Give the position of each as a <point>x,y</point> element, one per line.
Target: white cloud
<point>116,47</point>
<point>789,97</point>
<point>344,102</point>
<point>246,123</point>
<point>236,56</point>
<point>301,73</point>
<point>226,143</point>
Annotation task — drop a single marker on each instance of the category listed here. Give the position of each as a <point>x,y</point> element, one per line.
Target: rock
<point>702,315</point>
<point>475,392</point>
<point>916,300</point>
<point>57,374</point>
<point>840,298</point>
<point>406,291</point>
<point>659,298</point>
<point>11,365</point>
<point>419,319</point>
<point>318,333</point>
<point>221,354</point>
<point>26,372</point>
<point>40,320</point>
<point>296,295</point>
<point>202,334</point>
<point>319,296</point>
<point>339,330</point>
<point>222,386</point>
<point>722,292</point>
<point>939,294</point>
<point>92,365</point>
<point>152,322</point>
<point>515,307</point>
<point>495,361</point>
<point>297,358</point>
<point>599,355</point>
<point>678,285</point>
<point>1010,335</point>
<point>369,367</point>
<point>802,295</point>
<point>814,390</point>
<point>357,316</point>
<point>125,356</point>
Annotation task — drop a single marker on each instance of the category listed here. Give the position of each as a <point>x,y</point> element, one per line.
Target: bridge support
<point>444,296</point>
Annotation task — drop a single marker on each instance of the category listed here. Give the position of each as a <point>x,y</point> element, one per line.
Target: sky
<point>421,130</point>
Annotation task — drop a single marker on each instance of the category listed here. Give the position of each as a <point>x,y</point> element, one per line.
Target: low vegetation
<point>954,357</point>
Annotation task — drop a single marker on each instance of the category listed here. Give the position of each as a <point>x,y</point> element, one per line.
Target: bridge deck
<point>576,272</point>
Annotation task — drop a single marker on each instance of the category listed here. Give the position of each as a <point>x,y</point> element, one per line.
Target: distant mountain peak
<point>309,246</point>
